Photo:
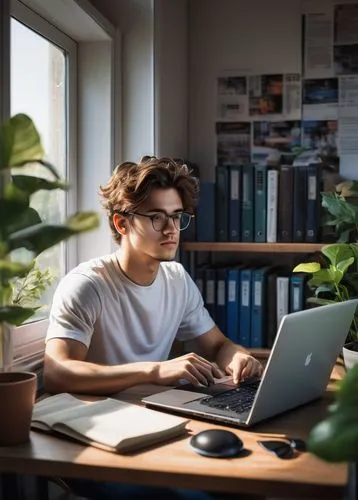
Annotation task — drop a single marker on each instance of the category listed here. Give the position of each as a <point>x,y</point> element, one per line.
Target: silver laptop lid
<point>302,358</point>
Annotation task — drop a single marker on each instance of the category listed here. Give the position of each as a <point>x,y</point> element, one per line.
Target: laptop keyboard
<point>237,400</point>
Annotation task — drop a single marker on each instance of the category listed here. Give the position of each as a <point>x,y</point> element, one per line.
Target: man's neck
<point>139,271</point>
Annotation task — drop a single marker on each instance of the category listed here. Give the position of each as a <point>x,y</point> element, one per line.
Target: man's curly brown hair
<point>131,184</point>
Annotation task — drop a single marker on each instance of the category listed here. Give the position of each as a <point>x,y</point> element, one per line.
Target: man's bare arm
<point>66,370</point>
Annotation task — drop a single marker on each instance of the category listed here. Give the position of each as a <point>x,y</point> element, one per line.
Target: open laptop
<point>298,370</point>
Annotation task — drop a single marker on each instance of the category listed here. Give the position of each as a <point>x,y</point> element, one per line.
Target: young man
<point>114,319</point>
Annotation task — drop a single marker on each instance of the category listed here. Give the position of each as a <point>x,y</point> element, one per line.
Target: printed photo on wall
<point>320,99</point>
<point>346,59</point>
<point>232,98</point>
<point>273,139</point>
<point>265,94</point>
<point>321,136</point>
<point>233,143</point>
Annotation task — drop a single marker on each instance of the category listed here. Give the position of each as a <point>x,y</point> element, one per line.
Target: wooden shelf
<point>198,246</point>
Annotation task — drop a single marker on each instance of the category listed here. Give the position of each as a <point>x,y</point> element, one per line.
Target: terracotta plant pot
<point>17,396</point>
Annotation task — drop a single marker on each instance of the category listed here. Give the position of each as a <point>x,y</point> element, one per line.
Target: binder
<point>260,197</point>
<point>247,210</point>
<point>299,204</point>
<point>222,203</point>
<point>205,212</point>
<point>272,203</point>
<point>282,297</point>
<point>313,203</point>
<point>285,204</point>
<point>210,291</point>
<point>297,292</point>
<point>245,307</point>
<point>271,324</point>
<point>258,311</point>
<point>221,299</point>
<point>234,202</point>
<point>233,305</point>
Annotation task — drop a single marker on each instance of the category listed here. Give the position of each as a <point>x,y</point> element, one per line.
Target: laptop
<point>297,371</point>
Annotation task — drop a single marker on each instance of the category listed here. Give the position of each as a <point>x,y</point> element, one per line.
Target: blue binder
<point>233,304</point>
<point>245,307</point>
<point>259,309</point>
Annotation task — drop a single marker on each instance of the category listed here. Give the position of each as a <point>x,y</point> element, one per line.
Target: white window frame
<point>80,31</point>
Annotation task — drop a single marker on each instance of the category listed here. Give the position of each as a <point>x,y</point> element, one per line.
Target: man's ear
<point>120,223</point>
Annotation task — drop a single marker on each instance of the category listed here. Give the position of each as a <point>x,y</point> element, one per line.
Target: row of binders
<point>248,304</point>
<point>257,203</point>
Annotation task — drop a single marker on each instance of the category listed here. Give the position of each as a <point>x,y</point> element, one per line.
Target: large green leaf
<point>31,184</point>
<point>42,236</point>
<point>16,315</point>
<point>320,277</point>
<point>29,217</point>
<point>9,269</point>
<point>337,252</point>
<point>336,438</point>
<point>19,142</point>
<point>13,204</point>
<point>307,267</point>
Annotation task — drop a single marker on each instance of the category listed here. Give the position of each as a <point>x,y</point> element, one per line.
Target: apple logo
<point>308,359</point>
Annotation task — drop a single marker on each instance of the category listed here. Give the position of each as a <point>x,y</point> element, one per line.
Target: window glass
<point>38,89</point>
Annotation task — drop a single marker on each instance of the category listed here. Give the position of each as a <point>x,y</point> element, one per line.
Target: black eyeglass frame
<point>176,218</point>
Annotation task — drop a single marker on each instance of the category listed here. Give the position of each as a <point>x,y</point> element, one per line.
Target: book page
<point>58,408</point>
<point>119,425</point>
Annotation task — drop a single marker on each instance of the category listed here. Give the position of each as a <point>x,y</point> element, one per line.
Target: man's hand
<point>243,366</point>
<point>191,367</point>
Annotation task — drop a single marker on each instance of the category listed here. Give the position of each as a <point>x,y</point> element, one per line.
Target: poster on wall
<point>275,96</point>
<point>348,125</point>
<point>275,139</point>
<point>232,98</point>
<point>320,137</point>
<point>233,143</point>
<point>320,99</point>
<point>318,43</point>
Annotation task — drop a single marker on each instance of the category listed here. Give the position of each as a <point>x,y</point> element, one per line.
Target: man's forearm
<point>84,377</point>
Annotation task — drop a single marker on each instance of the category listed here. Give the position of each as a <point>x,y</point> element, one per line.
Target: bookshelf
<point>197,246</point>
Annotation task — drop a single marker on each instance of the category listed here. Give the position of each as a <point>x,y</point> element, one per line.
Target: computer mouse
<point>217,443</point>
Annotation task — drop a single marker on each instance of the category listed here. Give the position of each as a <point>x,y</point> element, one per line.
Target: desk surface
<point>174,464</point>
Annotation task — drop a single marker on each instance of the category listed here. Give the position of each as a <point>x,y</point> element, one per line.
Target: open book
<point>108,424</point>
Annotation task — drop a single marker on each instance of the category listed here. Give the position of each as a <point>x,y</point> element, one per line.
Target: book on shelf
<point>109,424</point>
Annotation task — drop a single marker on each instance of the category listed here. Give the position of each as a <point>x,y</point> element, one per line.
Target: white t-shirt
<point>121,322</point>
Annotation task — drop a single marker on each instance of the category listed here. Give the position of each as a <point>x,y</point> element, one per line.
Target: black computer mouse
<point>217,443</point>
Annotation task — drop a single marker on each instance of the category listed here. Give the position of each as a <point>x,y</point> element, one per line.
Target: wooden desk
<point>174,464</point>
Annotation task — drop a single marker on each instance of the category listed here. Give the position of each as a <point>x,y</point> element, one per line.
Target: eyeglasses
<point>160,220</point>
<point>284,449</point>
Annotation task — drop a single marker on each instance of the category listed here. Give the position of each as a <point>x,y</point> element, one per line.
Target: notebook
<point>298,369</point>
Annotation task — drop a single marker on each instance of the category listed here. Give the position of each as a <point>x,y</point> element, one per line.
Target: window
<point>48,45</point>
<point>38,81</point>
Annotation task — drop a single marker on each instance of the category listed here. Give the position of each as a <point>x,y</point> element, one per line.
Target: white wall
<point>249,36</point>
<point>154,74</point>
<point>171,77</point>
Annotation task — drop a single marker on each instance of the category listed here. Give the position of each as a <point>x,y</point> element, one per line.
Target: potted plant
<point>335,279</point>
<point>335,439</point>
<point>22,227</point>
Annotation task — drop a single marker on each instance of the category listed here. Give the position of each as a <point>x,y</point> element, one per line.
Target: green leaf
<point>320,277</point>
<point>337,252</point>
<point>336,438</point>
<point>40,237</point>
<point>16,315</point>
<point>354,248</point>
<point>19,142</point>
<point>9,269</point>
<point>320,302</point>
<point>31,184</point>
<point>344,265</point>
<point>12,204</point>
<point>307,267</point>
<point>29,217</point>
<point>325,288</point>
